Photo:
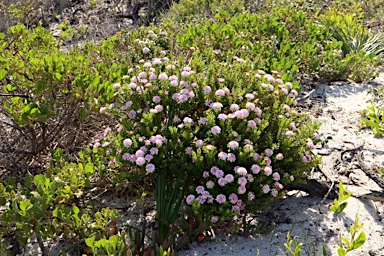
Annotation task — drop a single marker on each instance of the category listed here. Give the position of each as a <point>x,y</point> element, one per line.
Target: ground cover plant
<point>204,110</point>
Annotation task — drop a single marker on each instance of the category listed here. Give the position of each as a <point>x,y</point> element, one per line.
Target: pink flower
<point>163,76</point>
<point>156,99</point>
<point>222,182</point>
<point>140,161</point>
<point>258,112</point>
<point>203,121</point>
<point>229,178</point>
<point>286,108</point>
<point>146,50</point>
<point>216,105</point>
<point>215,130</point>
<point>150,168</point>
<point>234,107</point>
<point>190,198</point>
<point>199,143</point>
<point>132,114</point>
<point>278,185</point>
<point>268,152</point>
<point>241,189</point>
<point>276,176</point>
<point>205,174</point>
<point>148,158</point>
<point>251,196</point>
<point>220,93</point>
<point>220,198</point>
<point>219,173</point>
<point>231,157</point>
<point>207,89</point>
<point>105,144</point>
<point>154,151</point>
<point>233,198</point>
<point>256,156</point>
<point>266,189</point>
<point>102,110</point>
<point>242,181</point>
<point>267,171</point>
<point>200,189</point>
<point>233,144</point>
<point>250,105</point>
<point>222,156</point>
<point>241,171</point>
<point>140,153</point>
<point>267,161</point>
<point>210,184</point>
<point>188,120</point>
<point>159,108</point>
<point>288,133</point>
<point>316,135</point>
<point>255,169</point>
<point>274,192</point>
<point>249,96</point>
<point>214,219</point>
<point>96,145</point>
<point>304,159</point>
<point>292,178</point>
<point>214,169</point>
<point>279,156</point>
<point>116,86</point>
<point>222,117</point>
<point>126,156</point>
<point>188,150</point>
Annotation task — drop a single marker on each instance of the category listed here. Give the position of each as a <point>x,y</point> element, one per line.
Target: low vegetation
<point>199,111</point>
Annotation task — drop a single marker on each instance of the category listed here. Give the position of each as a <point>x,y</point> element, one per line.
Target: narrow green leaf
<point>358,242</point>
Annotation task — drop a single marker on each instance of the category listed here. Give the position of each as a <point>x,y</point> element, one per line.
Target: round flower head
<point>150,168</point>
<point>231,157</point>
<point>215,130</point>
<point>199,143</point>
<point>127,143</point>
<point>220,198</point>
<point>241,171</point>
<point>190,198</point>
<point>207,89</point>
<point>267,171</point>
<point>233,144</point>
<point>220,93</point>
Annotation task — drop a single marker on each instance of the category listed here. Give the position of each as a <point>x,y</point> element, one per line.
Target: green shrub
<point>185,122</point>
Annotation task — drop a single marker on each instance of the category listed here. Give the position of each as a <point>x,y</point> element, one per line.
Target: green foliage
<point>356,241</point>
<point>114,245</point>
<point>340,203</point>
<point>186,11</point>
<point>48,206</point>
<point>293,245</point>
<point>374,114</point>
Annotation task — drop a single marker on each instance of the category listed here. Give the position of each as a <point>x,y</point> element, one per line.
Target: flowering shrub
<point>228,143</point>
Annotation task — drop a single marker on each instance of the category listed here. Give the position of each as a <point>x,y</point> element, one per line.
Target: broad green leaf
<point>95,81</point>
<point>89,169</point>
<point>341,252</point>
<point>24,204</point>
<point>3,73</point>
<point>2,36</point>
<point>358,242</point>
<point>58,76</point>
<point>113,240</point>
<point>75,209</point>
<point>371,123</point>
<point>90,241</point>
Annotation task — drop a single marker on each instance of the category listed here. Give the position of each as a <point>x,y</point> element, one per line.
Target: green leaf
<point>3,73</point>
<point>2,36</point>
<point>90,241</point>
<point>113,240</point>
<point>58,76</point>
<point>24,204</point>
<point>95,81</point>
<point>341,252</point>
<point>358,242</point>
<point>57,154</point>
<point>89,169</point>
<point>371,123</point>
<point>75,210</point>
